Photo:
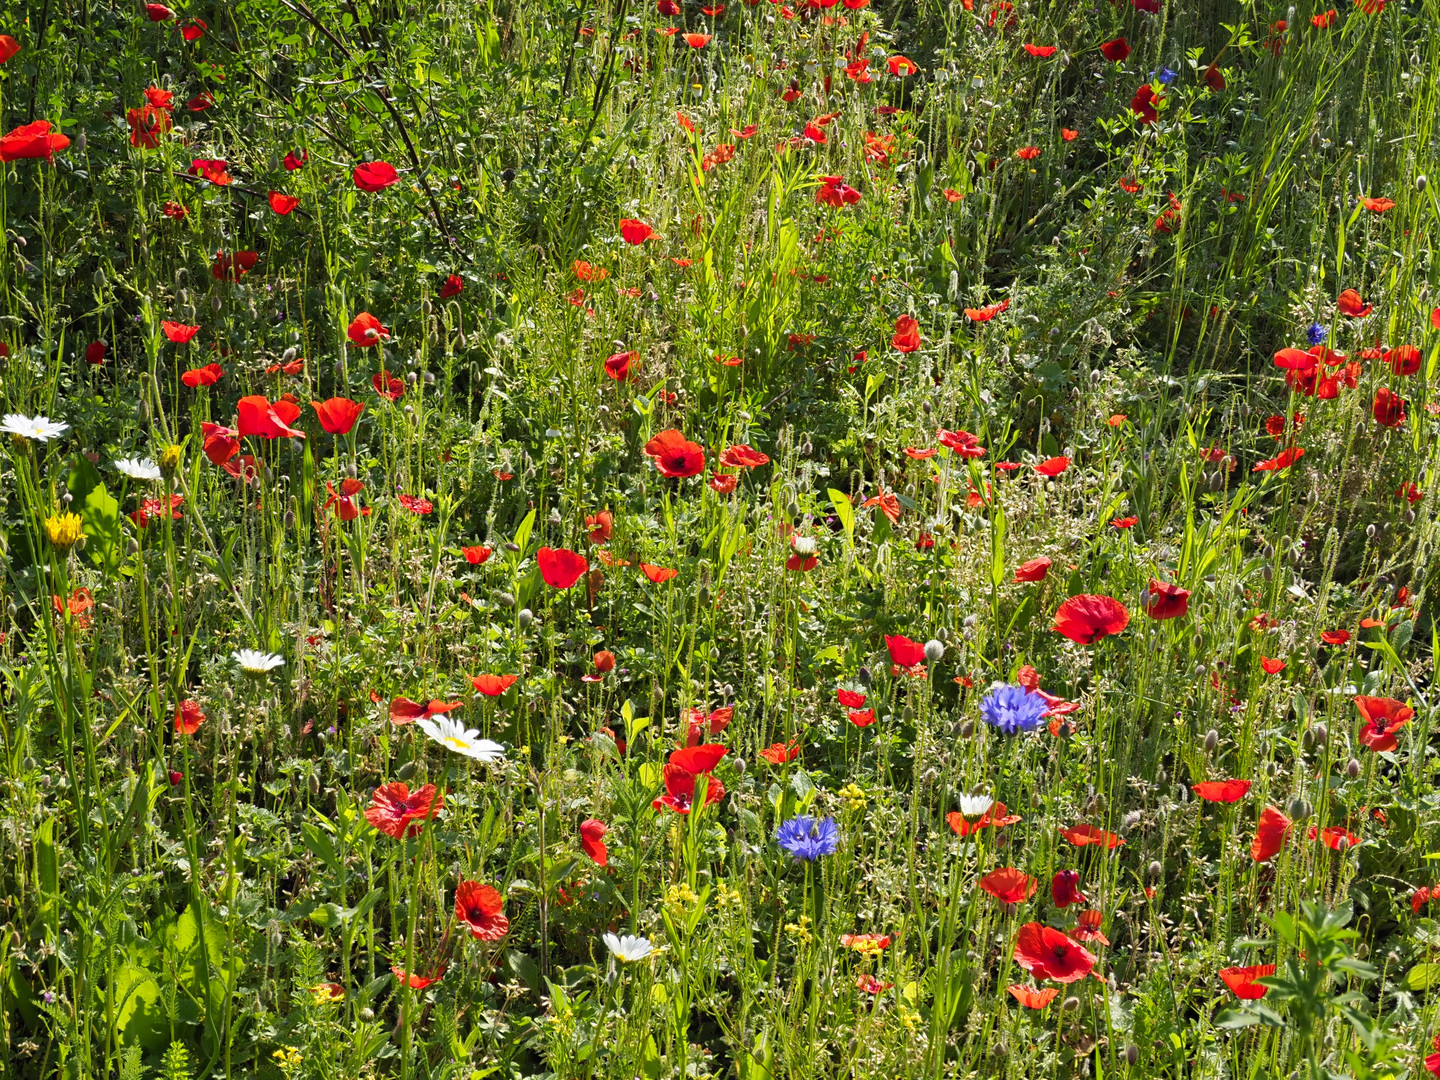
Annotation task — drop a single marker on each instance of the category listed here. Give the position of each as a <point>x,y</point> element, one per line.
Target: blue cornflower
<point>1317,334</point>
<point>1167,76</point>
<point>806,838</point>
<point>1012,709</point>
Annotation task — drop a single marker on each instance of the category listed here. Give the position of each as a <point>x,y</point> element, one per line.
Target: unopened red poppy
<point>560,567</point>
<point>906,338</point>
<point>1383,717</point>
<point>478,909</point>
<point>1271,832</point>
<point>1144,103</point>
<point>1222,791</point>
<point>1088,835</point>
<point>1065,889</point>
<point>674,455</point>
<point>1087,618</point>
<point>398,812</point>
<point>1241,980</point>
<point>259,417</point>
<point>1009,885</point>
<point>635,232</point>
<point>1167,601</point>
<point>1034,570</point>
<point>592,841</point>
<point>365,330</point>
<point>208,375</point>
<point>188,717</point>
<point>1349,303</point>
<point>1388,408</point>
<point>1116,50</point>
<point>492,685</point>
<point>1033,997</point>
<point>337,414</point>
<point>374,176</point>
<point>1049,954</point>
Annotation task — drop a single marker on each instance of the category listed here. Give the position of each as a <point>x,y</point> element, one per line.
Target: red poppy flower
<point>212,169</point>
<point>1065,888</point>
<point>906,338</point>
<point>1124,522</point>
<point>1049,954</point>
<point>1294,360</point>
<point>1087,835</point>
<point>1222,791</point>
<point>492,685</point>
<point>850,699</point>
<point>1068,134</point>
<point>365,330</point>
<point>698,722</point>
<point>861,717</point>
<point>916,454</point>
<point>901,66</point>
<point>1087,928</point>
<point>267,421</point>
<point>986,313</point>
<point>780,753</point>
<point>1335,837</point>
<point>1350,304</point>
<point>1388,408</point>
<point>337,414</point>
<point>8,47</point>
<point>679,794</point>
<point>1419,898</point>
<point>374,176</point>
<point>1115,51</point>
<point>1403,359</point>
<point>997,817</point>
<point>1335,637</point>
<point>697,41</point>
<point>417,982</point>
<point>220,443</point>
<point>723,485</point>
<point>415,504</point>
<point>1033,997</point>
<point>202,376</point>
<point>1042,51</point>
<point>904,652</point>
<point>592,840</point>
<point>1144,103</point>
<point>292,162</point>
<point>147,124</point>
<point>1028,153</point>
<point>617,365</point>
<point>742,456</point>
<point>158,13</point>
<point>604,661</point>
<point>560,567</point>
<point>1130,187</point>
<point>193,29</point>
<point>960,442</point>
<point>657,574</point>
<point>96,352</point>
<point>478,909</point>
<point>1009,885</point>
<point>1167,601</point>
<point>233,267</point>
<point>674,455</point>
<point>1378,206</point>
<point>453,286</point>
<point>1034,570</point>
<point>1241,981</point>
<point>281,203</point>
<point>635,232</point>
<point>32,141</point>
<point>1053,466</point>
<point>188,717</point>
<point>1088,618</point>
<point>398,812</point>
<point>1272,665</point>
<point>1281,461</point>
<point>1383,718</point>
<point>476,554</point>
<point>1271,832</point>
<point>404,711</point>
<point>387,385</point>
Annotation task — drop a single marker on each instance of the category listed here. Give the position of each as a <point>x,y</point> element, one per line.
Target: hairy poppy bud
<point>1070,1004</point>
<point>1154,869</point>
<point>1420,182</point>
<point>1370,531</point>
<point>967,729</point>
<point>934,650</point>
<point>1212,740</point>
<point>1322,734</point>
<point>511,547</point>
<point>526,616</point>
<point>865,676</point>
<point>1352,768</point>
<point>289,519</point>
<point>1299,809</point>
<point>505,599</point>
<point>1132,1054</point>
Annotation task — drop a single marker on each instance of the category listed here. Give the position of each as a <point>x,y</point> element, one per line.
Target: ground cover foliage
<point>762,540</point>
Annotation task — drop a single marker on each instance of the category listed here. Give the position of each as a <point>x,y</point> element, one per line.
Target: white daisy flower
<point>628,949</point>
<point>455,736</point>
<point>973,807</point>
<point>138,468</point>
<point>256,662</point>
<point>39,428</point>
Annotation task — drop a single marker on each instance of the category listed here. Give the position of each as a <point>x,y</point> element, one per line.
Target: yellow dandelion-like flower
<point>170,459</point>
<point>63,530</point>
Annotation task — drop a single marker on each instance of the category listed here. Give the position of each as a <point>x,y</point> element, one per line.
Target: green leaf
<point>1423,976</point>
<point>844,510</point>
<point>522,534</point>
<point>99,516</point>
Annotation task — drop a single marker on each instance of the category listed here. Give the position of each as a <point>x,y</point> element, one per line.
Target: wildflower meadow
<point>773,540</point>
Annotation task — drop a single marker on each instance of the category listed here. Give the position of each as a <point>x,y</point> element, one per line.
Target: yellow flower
<point>853,797</point>
<point>63,530</point>
<point>726,897</point>
<point>325,993</point>
<point>680,897</point>
<point>170,459</point>
<point>800,931</point>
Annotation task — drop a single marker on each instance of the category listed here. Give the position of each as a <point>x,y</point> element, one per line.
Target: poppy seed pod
<point>934,650</point>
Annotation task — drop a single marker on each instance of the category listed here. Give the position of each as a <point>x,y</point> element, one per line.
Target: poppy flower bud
<point>865,676</point>
<point>289,519</point>
<point>216,303</point>
<point>967,729</point>
<point>1161,776</point>
<point>1322,734</point>
<point>406,771</point>
<point>1130,820</point>
<point>1352,768</point>
<point>1132,1054</point>
<point>526,616</point>
<point>1299,809</point>
<point>1212,739</point>
<point>1154,869</point>
<point>934,650</point>
<point>505,599</point>
<point>1070,1004</point>
<point>131,547</point>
